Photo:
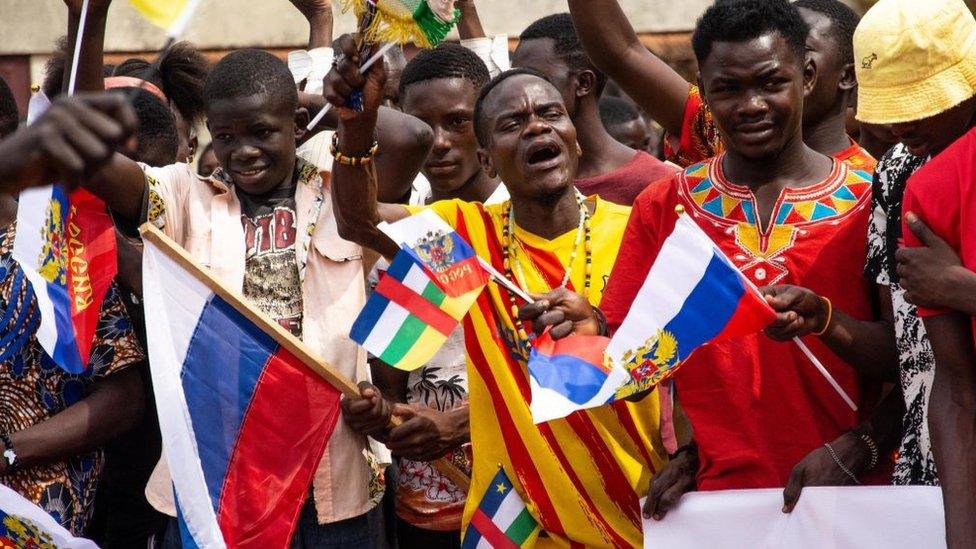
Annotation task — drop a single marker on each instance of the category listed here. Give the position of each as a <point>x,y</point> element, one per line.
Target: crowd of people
<point>830,156</point>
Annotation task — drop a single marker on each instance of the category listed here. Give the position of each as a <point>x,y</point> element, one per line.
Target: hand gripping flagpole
<point>680,210</point>
<point>369,63</point>
<point>285,338</point>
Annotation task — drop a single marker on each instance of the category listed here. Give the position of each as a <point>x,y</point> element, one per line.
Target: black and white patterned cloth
<point>915,464</point>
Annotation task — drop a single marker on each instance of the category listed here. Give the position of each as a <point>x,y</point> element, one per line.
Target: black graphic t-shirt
<point>271,279</point>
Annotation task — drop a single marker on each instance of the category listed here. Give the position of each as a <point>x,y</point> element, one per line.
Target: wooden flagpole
<point>282,336</point>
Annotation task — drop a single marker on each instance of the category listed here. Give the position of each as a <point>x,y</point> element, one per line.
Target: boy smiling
<point>263,223</point>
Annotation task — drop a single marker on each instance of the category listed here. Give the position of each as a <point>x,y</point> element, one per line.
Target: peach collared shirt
<point>204,216</point>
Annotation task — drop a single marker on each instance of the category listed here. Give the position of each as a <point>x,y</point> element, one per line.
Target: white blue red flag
<point>571,374</point>
<point>244,421</point>
<point>23,524</point>
<point>692,296</point>
<point>448,259</point>
<point>65,242</point>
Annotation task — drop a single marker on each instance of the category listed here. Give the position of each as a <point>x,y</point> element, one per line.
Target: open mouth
<point>543,153</point>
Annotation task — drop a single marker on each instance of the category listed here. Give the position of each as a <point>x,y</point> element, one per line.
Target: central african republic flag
<point>501,520</point>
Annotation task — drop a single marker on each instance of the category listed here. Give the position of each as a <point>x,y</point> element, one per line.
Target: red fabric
<point>622,185</point>
<point>266,486</point>
<point>91,264</point>
<point>942,193</point>
<point>757,407</point>
<point>417,305</point>
<point>490,532</point>
<point>858,158</point>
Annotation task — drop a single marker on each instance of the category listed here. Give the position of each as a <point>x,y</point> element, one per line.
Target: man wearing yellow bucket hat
<point>916,70</point>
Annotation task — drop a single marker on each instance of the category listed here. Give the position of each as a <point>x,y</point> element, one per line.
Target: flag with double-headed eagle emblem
<point>501,520</point>
<point>692,296</point>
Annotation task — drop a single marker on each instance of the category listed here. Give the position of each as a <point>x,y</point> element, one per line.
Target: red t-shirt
<point>622,185</point>
<point>943,194</point>
<point>758,407</point>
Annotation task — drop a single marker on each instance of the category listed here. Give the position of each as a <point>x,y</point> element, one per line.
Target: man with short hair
<point>607,167</point>
<point>675,104</point>
<point>580,475</point>
<point>440,87</point>
<point>785,215</point>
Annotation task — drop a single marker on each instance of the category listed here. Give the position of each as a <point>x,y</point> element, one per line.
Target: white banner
<point>863,517</point>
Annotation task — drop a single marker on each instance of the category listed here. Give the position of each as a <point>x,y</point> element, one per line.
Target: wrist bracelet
<point>689,448</point>
<point>830,317</point>
<point>601,320</point>
<point>9,455</point>
<point>353,160</point>
<point>833,455</point>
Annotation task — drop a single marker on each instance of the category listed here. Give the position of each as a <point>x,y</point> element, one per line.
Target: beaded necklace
<point>508,242</point>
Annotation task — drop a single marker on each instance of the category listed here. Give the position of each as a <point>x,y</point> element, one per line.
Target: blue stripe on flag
<point>493,497</point>
<point>708,308</point>
<point>368,317</point>
<point>401,265</point>
<point>217,399</point>
<point>471,537</point>
<point>550,373</point>
<point>186,538</point>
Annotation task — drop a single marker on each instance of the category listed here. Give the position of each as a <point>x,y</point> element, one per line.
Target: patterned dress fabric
<point>915,464</point>
<point>33,389</point>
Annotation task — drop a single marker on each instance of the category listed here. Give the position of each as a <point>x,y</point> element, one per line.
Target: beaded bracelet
<point>353,160</point>
<point>872,447</point>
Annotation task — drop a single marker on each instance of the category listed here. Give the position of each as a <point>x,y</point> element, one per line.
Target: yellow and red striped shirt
<point>582,476</point>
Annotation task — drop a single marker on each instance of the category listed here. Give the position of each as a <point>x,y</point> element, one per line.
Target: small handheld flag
<point>65,243</point>
<point>445,256</point>
<point>426,23</point>
<point>501,520</point>
<point>571,374</point>
<point>172,15</point>
<point>693,295</point>
<point>408,317</point>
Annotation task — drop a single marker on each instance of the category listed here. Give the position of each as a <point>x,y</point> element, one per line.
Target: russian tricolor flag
<point>65,243</point>
<point>244,421</point>
<point>692,296</point>
<point>571,374</point>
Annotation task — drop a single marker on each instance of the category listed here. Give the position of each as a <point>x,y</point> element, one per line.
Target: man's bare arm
<point>614,47</point>
<point>952,423</point>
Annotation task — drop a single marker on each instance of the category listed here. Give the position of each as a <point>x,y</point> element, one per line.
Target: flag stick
<point>369,63</point>
<point>73,77</point>
<point>830,379</point>
<point>799,343</point>
<point>285,338</point>
<point>501,279</point>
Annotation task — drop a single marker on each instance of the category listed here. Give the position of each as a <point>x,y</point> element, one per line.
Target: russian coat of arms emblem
<point>53,259</point>
<point>650,363</point>
<point>436,250</point>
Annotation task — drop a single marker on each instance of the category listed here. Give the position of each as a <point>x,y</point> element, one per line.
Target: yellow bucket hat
<point>914,59</point>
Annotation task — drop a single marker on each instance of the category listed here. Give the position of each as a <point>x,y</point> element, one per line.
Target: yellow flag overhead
<point>160,12</point>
